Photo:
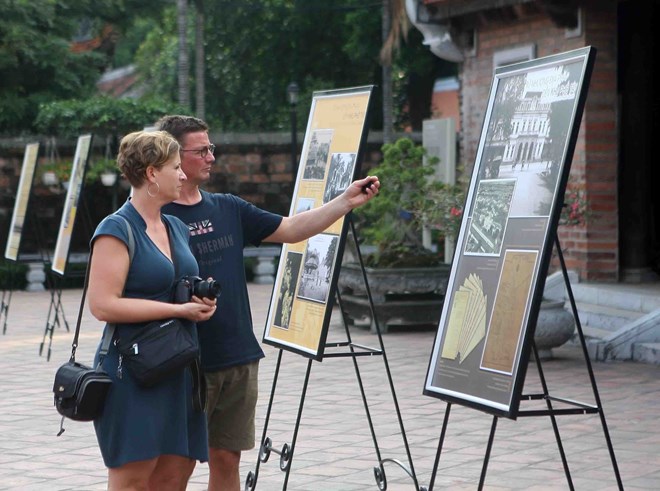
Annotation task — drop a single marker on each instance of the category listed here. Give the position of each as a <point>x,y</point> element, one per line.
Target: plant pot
<point>49,178</point>
<point>108,179</point>
<point>401,296</point>
<point>554,327</point>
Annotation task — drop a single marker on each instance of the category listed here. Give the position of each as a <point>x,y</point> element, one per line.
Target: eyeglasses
<point>203,152</point>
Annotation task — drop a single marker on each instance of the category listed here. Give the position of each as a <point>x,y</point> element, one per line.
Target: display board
<point>301,304</point>
<point>74,191</point>
<point>503,252</point>
<point>22,201</point>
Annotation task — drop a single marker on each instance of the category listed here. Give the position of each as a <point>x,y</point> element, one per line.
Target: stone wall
<point>256,167</point>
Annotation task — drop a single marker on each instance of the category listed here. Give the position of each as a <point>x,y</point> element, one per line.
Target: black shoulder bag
<point>160,349</point>
<point>79,390</point>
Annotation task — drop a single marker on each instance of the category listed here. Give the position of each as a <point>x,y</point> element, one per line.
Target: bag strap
<point>170,232</point>
<point>74,344</point>
<point>198,380</point>
<point>110,331</point>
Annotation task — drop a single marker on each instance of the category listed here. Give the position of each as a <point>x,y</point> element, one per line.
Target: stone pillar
<point>264,271</point>
<point>35,277</point>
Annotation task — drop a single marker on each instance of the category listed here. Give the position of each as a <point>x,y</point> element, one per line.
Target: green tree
<point>37,62</point>
<point>254,49</point>
<point>101,115</point>
<point>245,54</point>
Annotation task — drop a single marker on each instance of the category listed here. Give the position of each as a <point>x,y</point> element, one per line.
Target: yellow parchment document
<point>504,332</point>
<point>467,320</point>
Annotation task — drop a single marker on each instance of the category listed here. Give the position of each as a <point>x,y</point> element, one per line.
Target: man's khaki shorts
<point>230,406</point>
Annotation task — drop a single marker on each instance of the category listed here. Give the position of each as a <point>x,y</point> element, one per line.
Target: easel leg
<point>287,453</point>
<point>440,443</point>
<point>6,297</point>
<point>587,360</point>
<point>379,473</point>
<point>264,449</point>
<point>553,419</point>
<point>4,308</point>
<point>53,310</point>
<point>48,332</point>
<point>489,447</point>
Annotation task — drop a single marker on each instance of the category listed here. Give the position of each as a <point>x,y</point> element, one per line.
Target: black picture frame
<point>513,206</point>
<point>306,280</point>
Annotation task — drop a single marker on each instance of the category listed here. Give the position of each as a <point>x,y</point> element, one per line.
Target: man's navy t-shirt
<point>221,225</point>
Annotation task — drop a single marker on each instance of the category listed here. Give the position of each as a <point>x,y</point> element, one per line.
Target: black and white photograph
<point>507,231</point>
<point>317,267</point>
<point>527,134</point>
<point>340,175</point>
<point>300,312</point>
<point>317,154</point>
<point>489,220</point>
<point>304,204</point>
<point>287,290</point>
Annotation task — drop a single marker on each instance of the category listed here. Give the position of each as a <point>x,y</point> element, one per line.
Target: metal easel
<point>569,407</point>
<point>350,350</point>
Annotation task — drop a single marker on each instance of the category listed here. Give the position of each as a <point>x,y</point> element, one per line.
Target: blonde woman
<point>150,438</point>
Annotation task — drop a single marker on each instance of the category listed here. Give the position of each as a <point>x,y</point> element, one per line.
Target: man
<point>221,225</point>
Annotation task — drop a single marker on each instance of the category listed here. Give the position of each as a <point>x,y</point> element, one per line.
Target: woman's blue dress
<point>142,423</point>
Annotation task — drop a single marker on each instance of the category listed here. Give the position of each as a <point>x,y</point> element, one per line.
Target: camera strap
<point>198,380</point>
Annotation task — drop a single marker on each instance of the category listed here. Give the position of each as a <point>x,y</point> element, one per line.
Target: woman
<point>151,437</point>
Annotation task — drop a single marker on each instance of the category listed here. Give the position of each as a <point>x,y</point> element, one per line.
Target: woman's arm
<point>108,273</point>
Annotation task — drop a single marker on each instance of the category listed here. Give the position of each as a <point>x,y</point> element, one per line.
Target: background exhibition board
<point>301,303</point>
<point>22,201</point>
<point>71,203</point>
<point>512,210</point>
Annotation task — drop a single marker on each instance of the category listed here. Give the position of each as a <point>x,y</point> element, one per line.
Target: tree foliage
<point>253,50</point>
<point>101,115</point>
<point>37,62</point>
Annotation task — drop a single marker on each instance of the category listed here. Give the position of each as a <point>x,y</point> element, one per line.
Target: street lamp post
<point>292,92</point>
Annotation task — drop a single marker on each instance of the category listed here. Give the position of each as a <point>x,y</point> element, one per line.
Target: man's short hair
<point>179,126</point>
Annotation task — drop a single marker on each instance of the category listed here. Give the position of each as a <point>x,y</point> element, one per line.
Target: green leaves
<point>407,200</point>
<point>100,115</point>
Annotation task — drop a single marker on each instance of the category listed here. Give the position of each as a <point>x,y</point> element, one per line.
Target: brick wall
<point>256,167</point>
<point>591,250</point>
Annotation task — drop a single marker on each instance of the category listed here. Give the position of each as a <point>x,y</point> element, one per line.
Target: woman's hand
<point>199,309</point>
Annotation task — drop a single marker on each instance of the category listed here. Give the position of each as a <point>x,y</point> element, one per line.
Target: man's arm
<point>309,223</point>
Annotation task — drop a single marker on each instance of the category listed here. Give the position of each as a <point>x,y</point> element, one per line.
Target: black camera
<point>188,286</point>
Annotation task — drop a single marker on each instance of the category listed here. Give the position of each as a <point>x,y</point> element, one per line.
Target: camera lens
<point>207,289</point>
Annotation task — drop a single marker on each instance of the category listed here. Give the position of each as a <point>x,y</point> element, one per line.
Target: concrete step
<point>646,353</point>
<point>634,298</point>
<point>606,318</point>
<point>591,332</point>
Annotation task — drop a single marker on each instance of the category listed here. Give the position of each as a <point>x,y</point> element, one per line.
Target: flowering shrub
<point>441,209</point>
<point>576,206</point>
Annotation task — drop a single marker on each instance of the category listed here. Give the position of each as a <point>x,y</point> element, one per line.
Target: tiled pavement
<point>334,448</point>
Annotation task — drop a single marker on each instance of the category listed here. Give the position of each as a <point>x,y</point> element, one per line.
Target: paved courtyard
<point>334,449</point>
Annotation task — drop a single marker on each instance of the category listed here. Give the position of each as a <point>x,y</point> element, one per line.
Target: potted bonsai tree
<point>406,280</point>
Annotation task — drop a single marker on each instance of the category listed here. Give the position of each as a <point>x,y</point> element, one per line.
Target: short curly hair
<point>179,126</point>
<point>140,149</point>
